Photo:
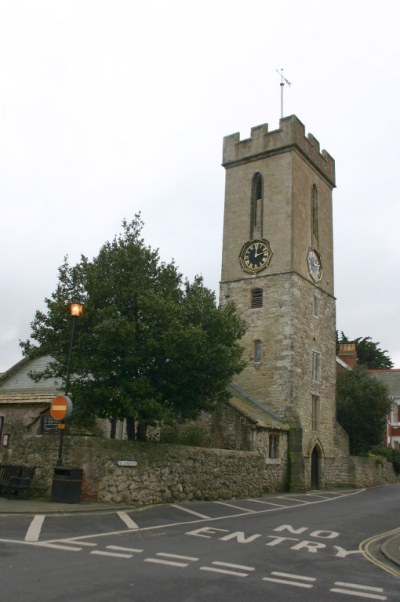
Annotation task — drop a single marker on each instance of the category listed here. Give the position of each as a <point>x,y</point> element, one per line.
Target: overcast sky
<point>110,107</point>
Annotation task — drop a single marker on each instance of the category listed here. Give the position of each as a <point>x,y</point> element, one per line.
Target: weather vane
<point>283,82</point>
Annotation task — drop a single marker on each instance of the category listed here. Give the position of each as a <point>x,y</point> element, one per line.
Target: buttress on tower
<point>277,266</point>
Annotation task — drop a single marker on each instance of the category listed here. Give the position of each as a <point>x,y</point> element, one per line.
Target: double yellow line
<point>366,545</point>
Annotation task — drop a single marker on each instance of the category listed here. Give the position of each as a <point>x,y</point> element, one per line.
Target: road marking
<point>112,554</point>
<point>190,511</point>
<point>236,507</point>
<point>365,549</point>
<point>127,520</point>
<point>122,549</point>
<point>290,579</point>
<point>167,559</point>
<point>81,543</point>
<point>226,571</point>
<point>59,547</point>
<point>267,503</point>
<point>35,527</point>
<point>292,499</point>
<point>362,591</point>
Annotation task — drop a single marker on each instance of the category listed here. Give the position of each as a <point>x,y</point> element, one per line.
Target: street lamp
<point>75,310</point>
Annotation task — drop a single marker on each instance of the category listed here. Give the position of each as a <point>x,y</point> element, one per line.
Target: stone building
<point>277,266</point>
<point>391,378</point>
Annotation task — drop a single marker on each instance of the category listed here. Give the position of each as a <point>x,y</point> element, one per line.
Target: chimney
<point>348,354</point>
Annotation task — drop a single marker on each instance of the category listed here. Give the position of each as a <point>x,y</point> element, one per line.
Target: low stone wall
<point>367,472</point>
<point>163,473</point>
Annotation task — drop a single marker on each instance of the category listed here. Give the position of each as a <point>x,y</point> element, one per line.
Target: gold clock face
<point>255,255</point>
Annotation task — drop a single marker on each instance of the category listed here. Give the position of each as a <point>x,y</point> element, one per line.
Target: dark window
<point>48,424</point>
<point>315,413</point>
<point>273,446</point>
<point>316,306</point>
<point>314,215</point>
<point>316,366</point>
<point>257,207</point>
<point>256,298</point>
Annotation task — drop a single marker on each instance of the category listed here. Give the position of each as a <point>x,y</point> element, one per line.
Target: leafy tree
<point>150,346</point>
<point>363,404</point>
<point>369,354</point>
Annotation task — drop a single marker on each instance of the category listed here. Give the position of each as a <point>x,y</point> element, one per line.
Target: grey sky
<point>108,108</point>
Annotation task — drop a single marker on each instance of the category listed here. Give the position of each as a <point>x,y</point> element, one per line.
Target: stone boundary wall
<point>163,473</point>
<point>366,472</point>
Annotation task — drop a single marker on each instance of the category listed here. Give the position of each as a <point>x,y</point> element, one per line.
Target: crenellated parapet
<point>291,134</point>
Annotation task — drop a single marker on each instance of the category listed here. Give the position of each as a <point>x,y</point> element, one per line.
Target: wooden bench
<point>15,479</point>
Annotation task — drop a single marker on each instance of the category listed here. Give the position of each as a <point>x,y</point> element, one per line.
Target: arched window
<point>314,216</point>
<point>257,351</point>
<point>257,207</point>
<point>256,298</point>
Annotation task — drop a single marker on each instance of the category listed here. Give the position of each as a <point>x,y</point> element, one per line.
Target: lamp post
<point>75,310</point>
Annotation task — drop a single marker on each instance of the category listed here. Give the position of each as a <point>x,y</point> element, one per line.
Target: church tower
<point>277,266</point>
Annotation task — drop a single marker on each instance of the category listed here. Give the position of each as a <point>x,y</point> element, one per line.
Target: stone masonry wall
<point>164,473</point>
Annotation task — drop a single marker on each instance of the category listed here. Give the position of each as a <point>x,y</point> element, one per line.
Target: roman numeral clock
<point>255,255</point>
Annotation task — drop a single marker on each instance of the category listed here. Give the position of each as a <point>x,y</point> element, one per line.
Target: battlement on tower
<point>291,134</point>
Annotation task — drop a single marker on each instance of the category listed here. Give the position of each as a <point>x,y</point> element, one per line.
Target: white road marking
<point>267,503</point>
<point>177,556</point>
<point>233,566</point>
<point>59,547</point>
<point>167,562</point>
<point>81,543</point>
<point>190,511</point>
<point>211,569</point>
<point>244,570</point>
<point>35,527</point>
<point>236,507</point>
<point>286,582</point>
<point>171,562</point>
<point>292,499</point>
<point>349,592</point>
<point>362,591</point>
<point>112,554</point>
<point>290,579</point>
<point>127,520</point>
<point>122,549</point>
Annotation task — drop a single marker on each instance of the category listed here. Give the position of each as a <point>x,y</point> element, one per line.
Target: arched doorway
<point>315,468</point>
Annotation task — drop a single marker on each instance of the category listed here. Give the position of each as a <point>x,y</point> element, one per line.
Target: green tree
<point>150,346</point>
<point>369,354</point>
<point>363,404</point>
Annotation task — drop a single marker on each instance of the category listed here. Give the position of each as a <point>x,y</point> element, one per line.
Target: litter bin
<point>66,485</point>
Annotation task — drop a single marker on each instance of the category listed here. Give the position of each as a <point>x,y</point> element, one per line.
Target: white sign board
<point>127,463</point>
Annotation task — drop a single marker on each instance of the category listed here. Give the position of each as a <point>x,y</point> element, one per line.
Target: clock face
<point>314,265</point>
<point>255,255</point>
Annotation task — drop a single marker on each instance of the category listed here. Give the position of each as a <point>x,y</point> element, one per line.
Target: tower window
<point>256,298</point>
<point>314,215</point>
<point>257,207</point>
<point>316,366</point>
<point>257,351</point>
<point>314,413</point>
<point>316,306</point>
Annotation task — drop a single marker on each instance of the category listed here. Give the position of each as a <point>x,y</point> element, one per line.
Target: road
<point>282,547</point>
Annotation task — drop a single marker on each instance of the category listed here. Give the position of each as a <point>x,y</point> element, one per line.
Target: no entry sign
<point>61,407</point>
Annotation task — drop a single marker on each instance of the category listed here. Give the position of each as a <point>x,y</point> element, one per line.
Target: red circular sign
<point>61,407</point>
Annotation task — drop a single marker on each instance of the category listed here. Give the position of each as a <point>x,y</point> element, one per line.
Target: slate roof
<point>391,378</point>
<point>254,411</point>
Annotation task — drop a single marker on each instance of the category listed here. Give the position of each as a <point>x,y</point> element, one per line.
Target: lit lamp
<point>75,310</point>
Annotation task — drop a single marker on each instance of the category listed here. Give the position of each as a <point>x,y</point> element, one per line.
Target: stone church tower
<point>277,266</point>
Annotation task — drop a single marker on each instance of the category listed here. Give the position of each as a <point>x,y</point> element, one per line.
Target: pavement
<point>389,547</point>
